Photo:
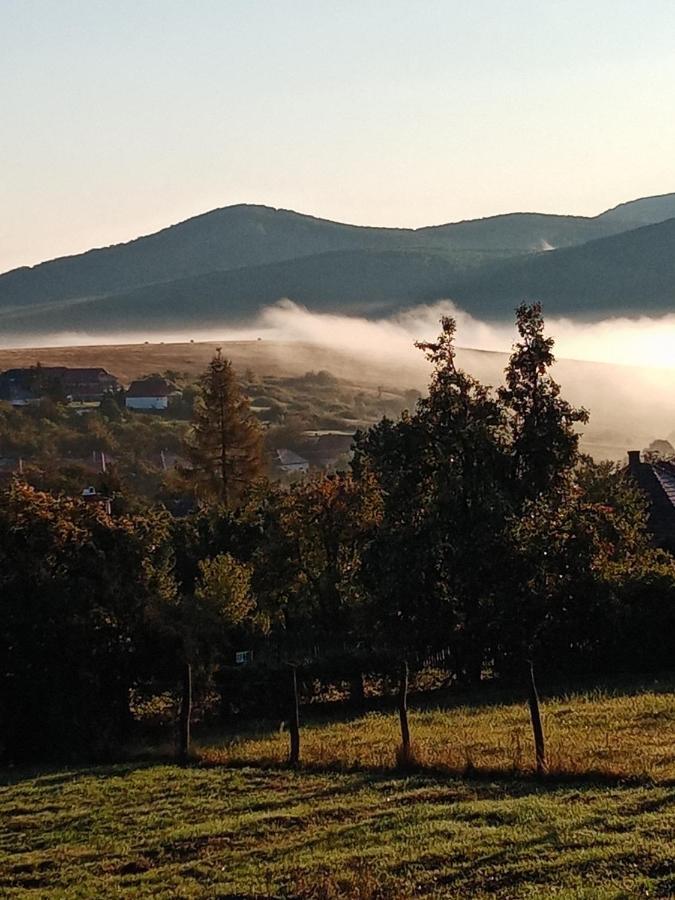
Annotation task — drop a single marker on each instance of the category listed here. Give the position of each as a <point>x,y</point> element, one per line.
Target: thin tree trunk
<point>224,474</point>
<point>357,693</point>
<point>294,721</point>
<point>403,714</point>
<point>537,728</point>
<point>185,715</point>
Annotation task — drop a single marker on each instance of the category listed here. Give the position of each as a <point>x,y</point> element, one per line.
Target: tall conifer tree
<point>224,446</point>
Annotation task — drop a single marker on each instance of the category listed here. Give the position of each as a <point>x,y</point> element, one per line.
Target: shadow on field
<point>467,775</point>
<point>55,775</point>
<point>487,781</point>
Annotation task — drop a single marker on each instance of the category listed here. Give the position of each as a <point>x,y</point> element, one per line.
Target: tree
<point>433,564</point>
<point>543,434</point>
<point>220,605</point>
<point>464,424</point>
<point>307,570</point>
<point>214,603</point>
<point>224,445</point>
<point>544,450</point>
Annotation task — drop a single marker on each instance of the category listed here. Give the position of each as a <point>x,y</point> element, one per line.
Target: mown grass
<point>348,825</point>
<point>628,736</point>
<point>163,831</point>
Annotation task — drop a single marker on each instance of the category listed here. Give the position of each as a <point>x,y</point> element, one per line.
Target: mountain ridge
<point>231,261</point>
<point>633,221</point>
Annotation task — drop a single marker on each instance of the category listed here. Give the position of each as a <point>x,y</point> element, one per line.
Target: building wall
<point>147,402</point>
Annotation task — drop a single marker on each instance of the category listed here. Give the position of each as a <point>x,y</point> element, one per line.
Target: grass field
<point>347,825</point>
<point>162,831</point>
<point>604,734</point>
<point>129,361</point>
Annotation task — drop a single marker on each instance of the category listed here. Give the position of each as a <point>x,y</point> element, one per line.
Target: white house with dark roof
<point>150,393</point>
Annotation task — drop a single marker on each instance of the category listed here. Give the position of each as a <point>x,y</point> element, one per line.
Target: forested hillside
<point>628,273</point>
<point>226,264</point>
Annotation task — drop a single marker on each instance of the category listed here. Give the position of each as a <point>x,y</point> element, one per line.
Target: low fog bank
<point>621,369</point>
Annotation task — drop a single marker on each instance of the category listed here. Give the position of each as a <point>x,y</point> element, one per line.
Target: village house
<point>289,462</point>
<point>88,385</point>
<point>21,387</point>
<point>150,393</point>
<point>657,481</point>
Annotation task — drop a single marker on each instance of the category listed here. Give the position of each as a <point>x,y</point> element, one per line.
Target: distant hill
<point>230,262</point>
<point>352,282</point>
<point>627,273</point>
<point>648,211</point>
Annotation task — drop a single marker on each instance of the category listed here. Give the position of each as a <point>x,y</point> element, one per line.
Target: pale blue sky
<point>120,116</point>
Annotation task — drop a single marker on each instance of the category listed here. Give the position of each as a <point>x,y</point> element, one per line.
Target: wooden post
<point>537,728</point>
<point>403,712</point>
<point>294,721</point>
<point>185,715</point>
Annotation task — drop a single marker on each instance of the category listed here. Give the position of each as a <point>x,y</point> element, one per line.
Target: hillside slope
<point>241,237</point>
<point>351,282</point>
<point>627,273</point>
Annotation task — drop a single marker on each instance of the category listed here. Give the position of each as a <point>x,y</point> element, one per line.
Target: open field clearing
<point>129,361</point>
<point>623,736</point>
<point>260,830</point>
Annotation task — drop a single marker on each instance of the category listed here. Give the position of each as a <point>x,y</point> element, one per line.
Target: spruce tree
<point>224,444</point>
<point>543,426</point>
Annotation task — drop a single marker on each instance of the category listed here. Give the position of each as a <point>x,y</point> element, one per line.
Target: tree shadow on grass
<point>471,775</point>
<point>55,774</point>
<point>513,779</point>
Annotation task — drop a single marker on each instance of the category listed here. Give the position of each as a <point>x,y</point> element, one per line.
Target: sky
<point>119,117</point>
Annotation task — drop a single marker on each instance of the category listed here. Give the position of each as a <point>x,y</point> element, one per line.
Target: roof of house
<point>657,480</point>
<point>95,374</point>
<point>21,386</point>
<point>60,371</point>
<point>289,458</point>
<point>151,387</point>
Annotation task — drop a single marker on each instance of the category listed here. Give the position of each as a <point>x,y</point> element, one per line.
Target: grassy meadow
<point>601,734</point>
<point>471,821</point>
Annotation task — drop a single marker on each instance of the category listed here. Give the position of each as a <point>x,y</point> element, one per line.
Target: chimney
<point>633,460</point>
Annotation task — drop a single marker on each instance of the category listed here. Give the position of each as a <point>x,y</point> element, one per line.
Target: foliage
<point>470,532</point>
<point>544,443</point>
<point>75,589</point>
<point>224,443</point>
<point>224,589</point>
<point>307,565</point>
<point>61,450</point>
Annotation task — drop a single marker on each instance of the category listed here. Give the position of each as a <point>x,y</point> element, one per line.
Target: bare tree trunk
<point>405,755</point>
<point>357,693</point>
<point>294,721</point>
<point>185,715</point>
<point>224,474</point>
<point>537,728</point>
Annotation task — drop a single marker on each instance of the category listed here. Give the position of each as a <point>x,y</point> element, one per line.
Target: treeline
<point>469,531</point>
